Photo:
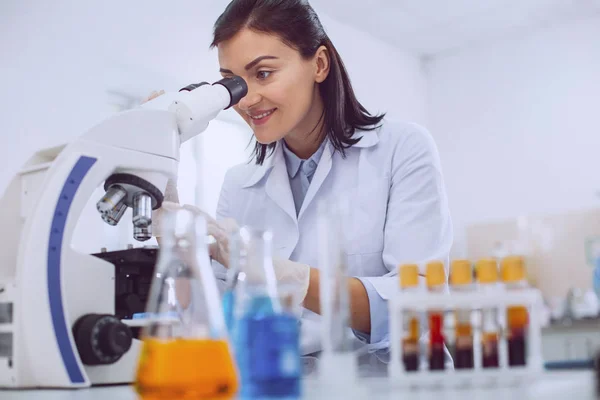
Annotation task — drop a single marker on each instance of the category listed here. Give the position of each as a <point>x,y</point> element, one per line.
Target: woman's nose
<point>250,100</point>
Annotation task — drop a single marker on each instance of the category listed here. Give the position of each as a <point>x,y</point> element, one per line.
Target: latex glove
<point>157,216</point>
<point>220,231</point>
<point>217,249</point>
<point>293,278</point>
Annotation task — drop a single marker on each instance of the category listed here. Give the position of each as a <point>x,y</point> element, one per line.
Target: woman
<point>315,142</point>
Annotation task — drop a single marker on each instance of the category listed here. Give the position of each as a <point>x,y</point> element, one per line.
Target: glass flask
<point>266,333</point>
<point>185,350</point>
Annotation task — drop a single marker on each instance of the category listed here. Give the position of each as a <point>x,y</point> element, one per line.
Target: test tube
<point>337,358</point>
<point>487,277</point>
<point>436,283</point>
<point>517,317</point>
<point>409,282</point>
<point>461,279</point>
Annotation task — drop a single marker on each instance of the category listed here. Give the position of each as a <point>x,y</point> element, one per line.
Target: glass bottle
<point>185,350</point>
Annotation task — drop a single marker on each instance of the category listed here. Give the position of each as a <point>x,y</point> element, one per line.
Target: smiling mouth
<point>263,115</point>
<point>262,118</point>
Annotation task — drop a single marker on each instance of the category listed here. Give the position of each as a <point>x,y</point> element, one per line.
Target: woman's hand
<point>219,230</point>
<point>154,94</point>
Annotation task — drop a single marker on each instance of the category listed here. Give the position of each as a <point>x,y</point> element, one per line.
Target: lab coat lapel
<point>278,185</point>
<point>321,173</point>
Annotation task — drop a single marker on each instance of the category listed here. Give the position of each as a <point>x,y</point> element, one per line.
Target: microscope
<point>58,326</point>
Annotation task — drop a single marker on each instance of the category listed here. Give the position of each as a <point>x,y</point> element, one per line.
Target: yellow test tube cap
<point>435,273</point>
<point>409,275</point>
<point>487,270</point>
<point>512,269</point>
<point>461,272</point>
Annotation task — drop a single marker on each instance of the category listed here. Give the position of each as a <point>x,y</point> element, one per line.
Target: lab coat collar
<point>277,186</point>
<point>295,163</point>
<point>278,183</point>
<point>323,168</point>
<point>367,139</point>
<point>262,170</point>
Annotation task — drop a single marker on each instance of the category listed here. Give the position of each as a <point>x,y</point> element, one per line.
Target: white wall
<point>517,124</point>
<point>60,61</point>
<point>385,78</point>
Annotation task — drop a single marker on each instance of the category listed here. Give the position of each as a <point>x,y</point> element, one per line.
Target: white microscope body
<point>45,285</point>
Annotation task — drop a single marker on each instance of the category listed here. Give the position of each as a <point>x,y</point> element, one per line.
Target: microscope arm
<point>159,126</point>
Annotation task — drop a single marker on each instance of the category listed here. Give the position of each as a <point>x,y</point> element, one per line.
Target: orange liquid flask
<point>185,351</point>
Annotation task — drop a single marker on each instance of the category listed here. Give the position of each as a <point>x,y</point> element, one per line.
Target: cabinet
<point>578,341</point>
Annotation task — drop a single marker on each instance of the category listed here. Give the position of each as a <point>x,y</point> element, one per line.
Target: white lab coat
<point>399,211</point>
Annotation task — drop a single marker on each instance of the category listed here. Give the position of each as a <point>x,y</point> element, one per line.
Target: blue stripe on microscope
<point>63,205</point>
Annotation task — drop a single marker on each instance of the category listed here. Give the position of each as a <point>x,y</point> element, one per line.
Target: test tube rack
<point>500,299</point>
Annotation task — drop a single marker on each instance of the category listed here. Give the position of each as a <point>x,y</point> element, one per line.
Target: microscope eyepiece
<point>193,86</point>
<point>235,85</point>
<point>237,88</point>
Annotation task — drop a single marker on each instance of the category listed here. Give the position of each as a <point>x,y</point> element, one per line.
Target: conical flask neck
<point>257,265</point>
<point>184,284</point>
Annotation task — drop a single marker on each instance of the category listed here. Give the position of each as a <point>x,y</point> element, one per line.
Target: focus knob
<point>101,338</point>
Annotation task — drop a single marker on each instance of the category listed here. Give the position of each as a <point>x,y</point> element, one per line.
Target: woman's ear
<point>322,64</point>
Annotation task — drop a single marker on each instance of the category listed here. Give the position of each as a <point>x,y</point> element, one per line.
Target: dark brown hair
<point>298,26</point>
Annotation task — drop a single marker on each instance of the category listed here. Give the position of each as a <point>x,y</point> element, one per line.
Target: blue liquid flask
<point>265,334</point>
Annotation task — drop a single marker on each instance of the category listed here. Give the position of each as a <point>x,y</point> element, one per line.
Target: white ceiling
<point>432,27</point>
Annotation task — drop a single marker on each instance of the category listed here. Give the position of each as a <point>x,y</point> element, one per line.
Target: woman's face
<point>281,84</point>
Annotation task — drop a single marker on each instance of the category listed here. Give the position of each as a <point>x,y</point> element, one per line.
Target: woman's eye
<point>263,74</point>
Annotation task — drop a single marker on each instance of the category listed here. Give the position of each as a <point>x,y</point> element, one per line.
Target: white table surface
<point>578,385</point>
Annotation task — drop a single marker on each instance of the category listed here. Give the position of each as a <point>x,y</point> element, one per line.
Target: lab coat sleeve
<point>418,227</point>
